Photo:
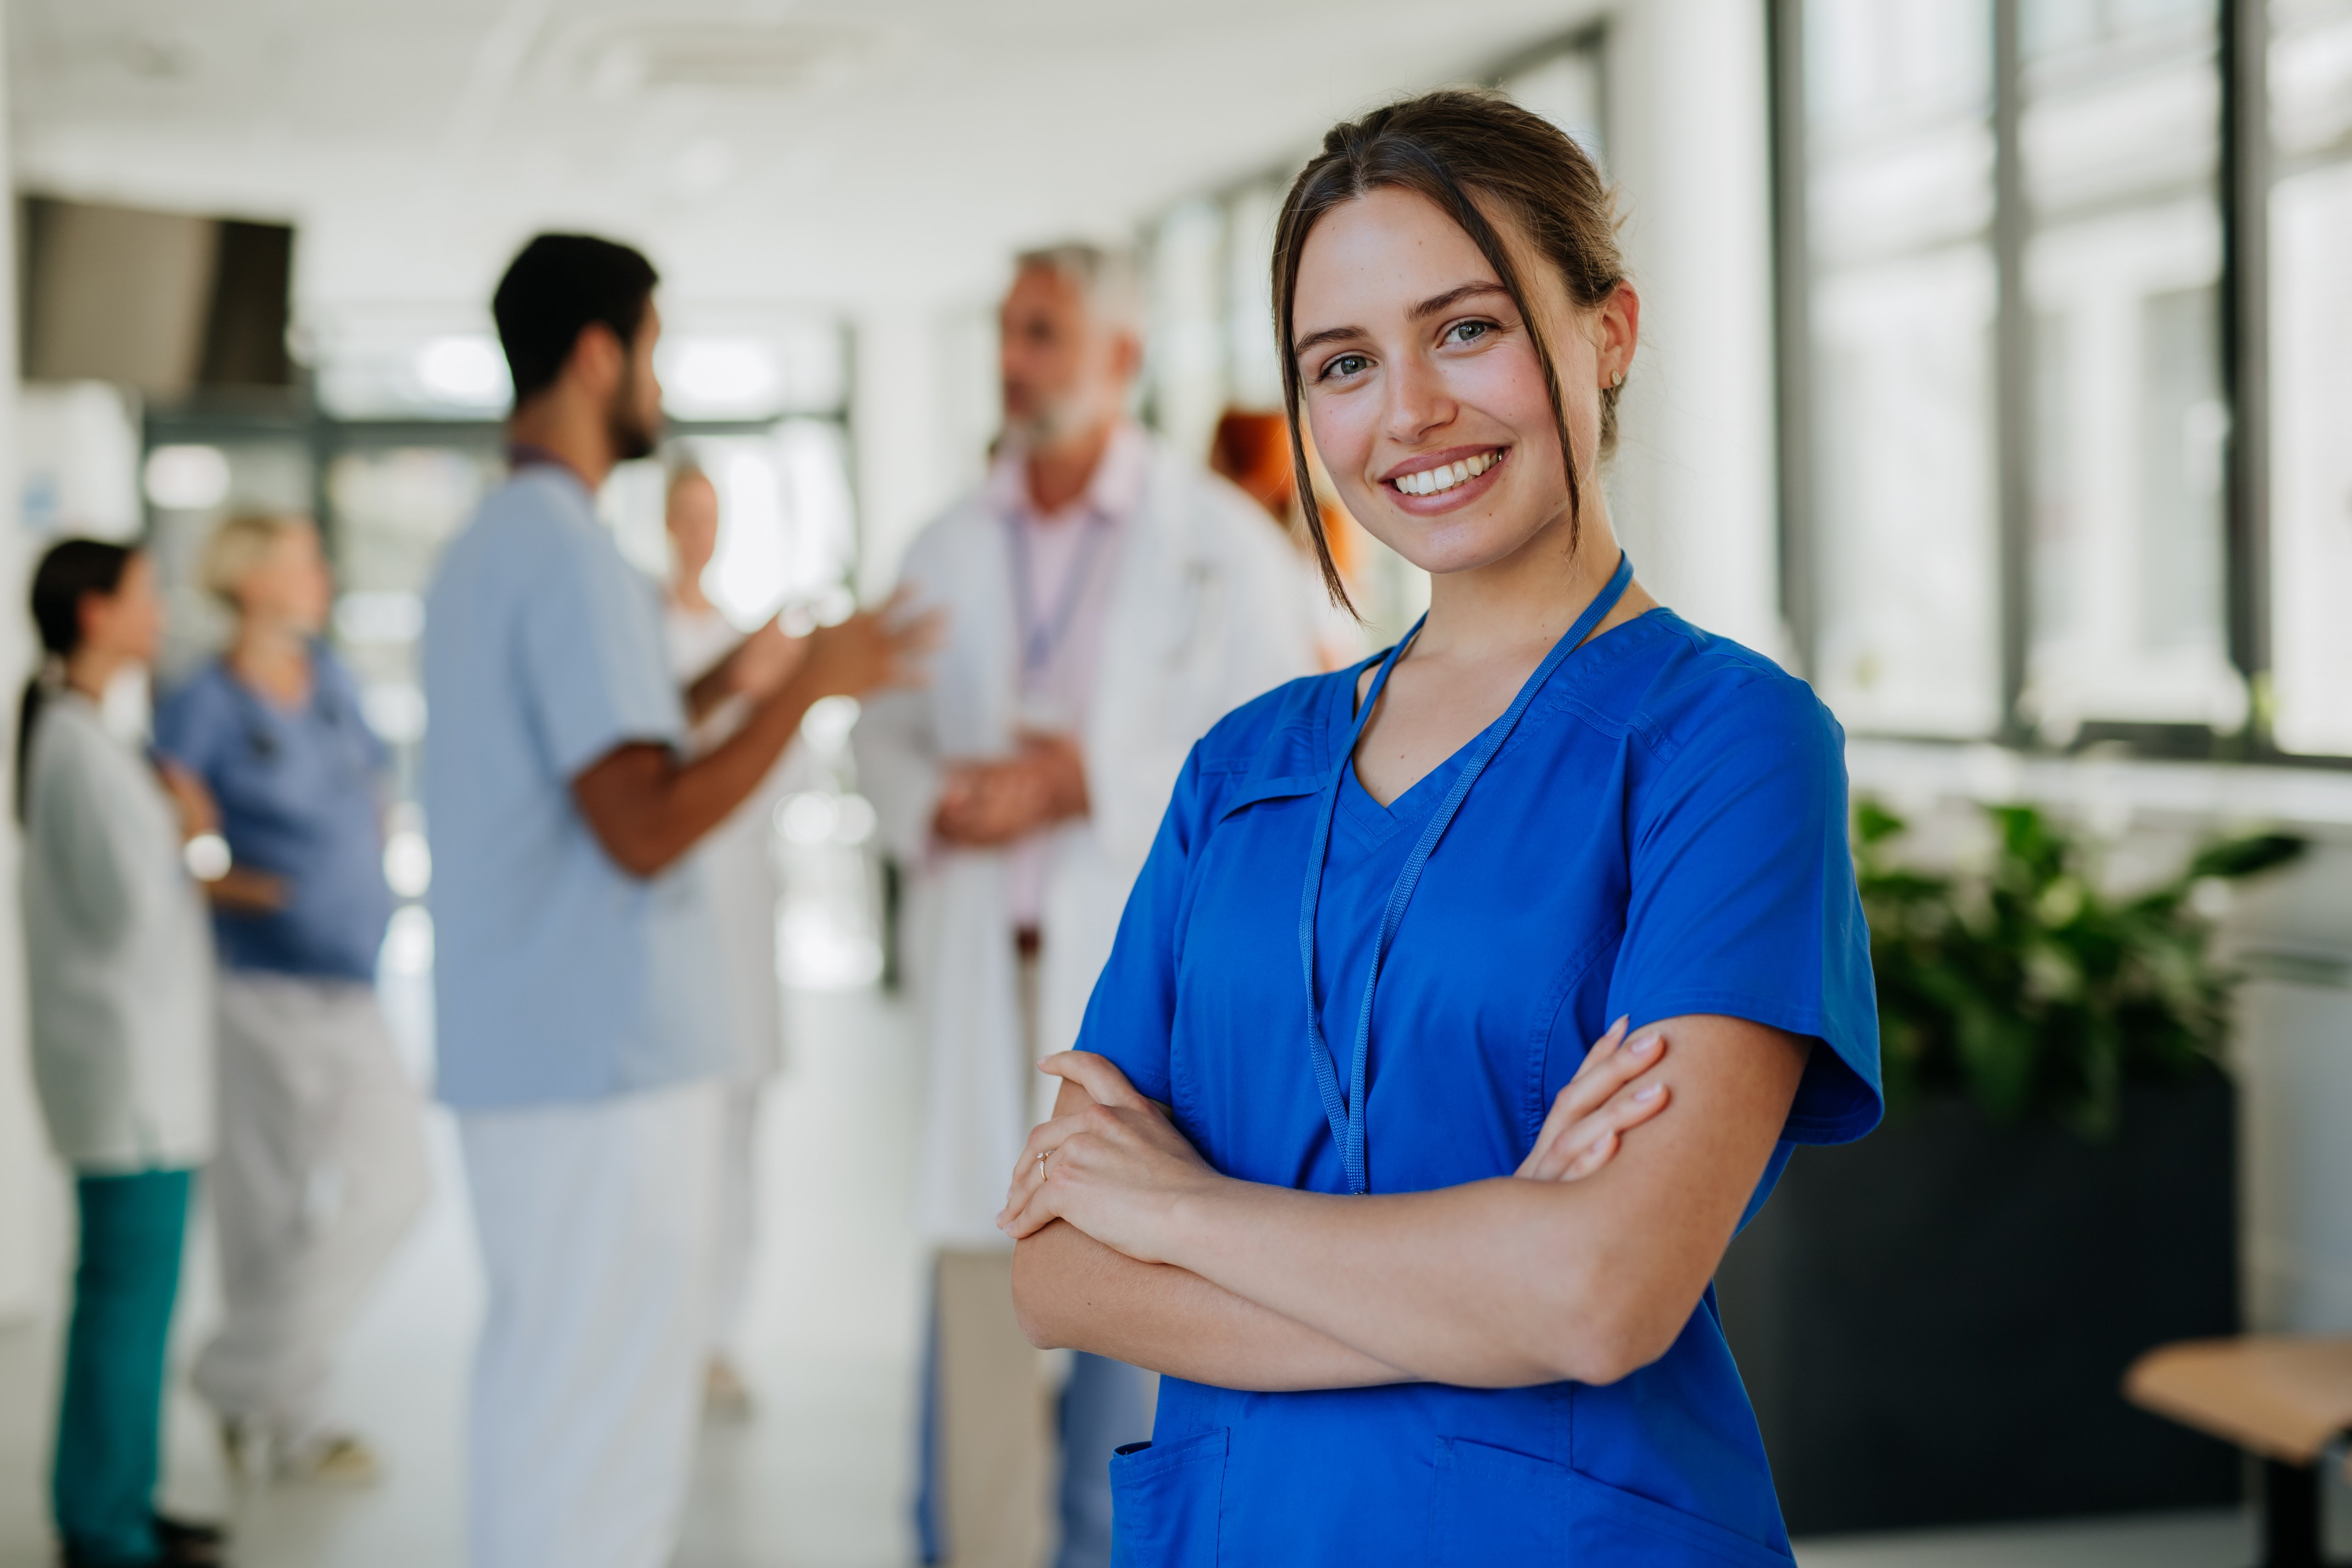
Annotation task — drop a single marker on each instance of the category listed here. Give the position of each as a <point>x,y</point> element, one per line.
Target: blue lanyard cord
<point>1347,1115</point>
<point>1039,638</point>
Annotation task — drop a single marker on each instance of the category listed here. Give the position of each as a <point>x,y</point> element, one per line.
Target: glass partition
<point>2310,343</point>
<point>1898,147</point>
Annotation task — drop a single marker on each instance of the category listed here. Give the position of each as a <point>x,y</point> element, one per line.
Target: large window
<point>1897,126</point>
<point>2309,69</point>
<point>2065,343</point>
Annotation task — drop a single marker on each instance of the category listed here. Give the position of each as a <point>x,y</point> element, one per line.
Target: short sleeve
<point>596,673</point>
<point>1131,1016</point>
<point>1743,899</point>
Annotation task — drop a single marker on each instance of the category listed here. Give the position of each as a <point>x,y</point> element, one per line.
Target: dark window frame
<point>2243,199</point>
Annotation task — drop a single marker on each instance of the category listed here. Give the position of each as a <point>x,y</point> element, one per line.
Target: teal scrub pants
<point>110,1423</point>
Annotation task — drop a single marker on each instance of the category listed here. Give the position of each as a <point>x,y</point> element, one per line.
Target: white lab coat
<point>737,856</point>
<point>118,951</point>
<point>1204,613</point>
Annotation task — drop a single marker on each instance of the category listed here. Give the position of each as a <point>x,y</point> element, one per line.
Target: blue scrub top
<point>558,977</point>
<point>1664,833</point>
<point>301,793</point>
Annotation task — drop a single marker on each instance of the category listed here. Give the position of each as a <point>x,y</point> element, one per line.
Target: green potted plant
<point>1933,1321</point>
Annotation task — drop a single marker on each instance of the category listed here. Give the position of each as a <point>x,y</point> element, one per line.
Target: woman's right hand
<point>1603,1101</point>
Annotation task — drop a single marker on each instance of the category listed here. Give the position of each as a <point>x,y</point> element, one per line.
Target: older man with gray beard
<point>1108,601</point>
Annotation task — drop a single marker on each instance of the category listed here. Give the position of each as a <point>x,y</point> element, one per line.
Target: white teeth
<point>1429,481</point>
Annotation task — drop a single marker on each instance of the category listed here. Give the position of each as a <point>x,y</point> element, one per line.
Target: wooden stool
<point>2282,1399</point>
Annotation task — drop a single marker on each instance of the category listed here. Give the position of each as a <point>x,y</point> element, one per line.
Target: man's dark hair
<point>559,285</point>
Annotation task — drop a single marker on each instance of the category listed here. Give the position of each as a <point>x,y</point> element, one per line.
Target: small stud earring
<point>1616,380</point>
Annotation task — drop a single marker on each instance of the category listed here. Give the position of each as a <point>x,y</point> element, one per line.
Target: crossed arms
<point>1585,1264</point>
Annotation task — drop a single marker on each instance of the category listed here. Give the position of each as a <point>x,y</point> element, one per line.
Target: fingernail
<point>1648,1093</point>
<point>1644,1046</point>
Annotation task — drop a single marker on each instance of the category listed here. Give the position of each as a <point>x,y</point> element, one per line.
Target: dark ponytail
<point>71,570</point>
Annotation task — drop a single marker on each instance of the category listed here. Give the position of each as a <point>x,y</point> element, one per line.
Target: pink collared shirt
<point>1070,557</point>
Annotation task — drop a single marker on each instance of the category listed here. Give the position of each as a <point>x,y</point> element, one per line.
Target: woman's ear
<point>92,614</point>
<point>1617,325</point>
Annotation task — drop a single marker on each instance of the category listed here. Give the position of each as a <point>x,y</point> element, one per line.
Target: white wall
<point>922,410</point>
<point>27,1179</point>
<point>1688,146</point>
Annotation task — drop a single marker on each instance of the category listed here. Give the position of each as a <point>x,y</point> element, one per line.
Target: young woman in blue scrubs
<point>1308,1163</point>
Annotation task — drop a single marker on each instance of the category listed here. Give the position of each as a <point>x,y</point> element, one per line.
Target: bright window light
<point>408,943</point>
<point>748,575</point>
<point>379,616</point>
<point>467,369</point>
<point>408,863</point>
<point>718,377</point>
<point>393,710</point>
<point>807,818</point>
<point>187,478</point>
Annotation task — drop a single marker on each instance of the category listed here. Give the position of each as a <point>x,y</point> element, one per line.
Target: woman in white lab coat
<point>119,966</point>
<point>738,874</point>
<point>1202,614</point>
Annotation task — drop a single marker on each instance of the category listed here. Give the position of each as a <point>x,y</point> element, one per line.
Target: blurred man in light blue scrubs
<point>582,1035</point>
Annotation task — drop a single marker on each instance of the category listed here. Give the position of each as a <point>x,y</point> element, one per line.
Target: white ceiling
<point>832,152</point>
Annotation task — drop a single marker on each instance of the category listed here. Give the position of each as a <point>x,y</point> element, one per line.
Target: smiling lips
<point>1445,476</point>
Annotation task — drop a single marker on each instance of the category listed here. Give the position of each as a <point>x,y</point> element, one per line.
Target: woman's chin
<point>1449,546</point>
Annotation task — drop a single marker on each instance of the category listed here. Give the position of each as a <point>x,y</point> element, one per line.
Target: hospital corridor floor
<point>819,1476</point>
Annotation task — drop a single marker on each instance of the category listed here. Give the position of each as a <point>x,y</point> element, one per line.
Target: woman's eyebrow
<point>1438,303</point>
<point>1435,305</point>
<point>1328,335</point>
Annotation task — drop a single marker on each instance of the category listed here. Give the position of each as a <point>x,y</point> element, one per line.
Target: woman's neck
<point>273,659</point>
<point>687,594</point>
<point>91,670</point>
<point>1528,598</point>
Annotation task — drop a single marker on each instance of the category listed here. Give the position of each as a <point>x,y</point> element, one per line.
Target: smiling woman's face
<point>1423,389</point>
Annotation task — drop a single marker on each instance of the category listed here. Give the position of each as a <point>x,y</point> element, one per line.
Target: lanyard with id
<point>1347,1114</point>
<point>1041,636</point>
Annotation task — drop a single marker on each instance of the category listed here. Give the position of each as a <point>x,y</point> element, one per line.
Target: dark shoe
<point>189,1545</point>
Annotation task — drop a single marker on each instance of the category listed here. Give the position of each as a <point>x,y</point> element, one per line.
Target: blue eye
<point>1469,332</point>
<point>1344,364</point>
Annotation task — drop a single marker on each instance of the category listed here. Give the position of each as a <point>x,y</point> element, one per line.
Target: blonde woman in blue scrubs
<point>1312,1161</point>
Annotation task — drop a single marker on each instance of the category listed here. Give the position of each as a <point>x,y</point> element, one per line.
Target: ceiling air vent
<point>721,57</point>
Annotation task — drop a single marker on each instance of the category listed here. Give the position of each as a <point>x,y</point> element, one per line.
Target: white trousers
<point>320,1171</point>
<point>735,1231</point>
<point>594,1222</point>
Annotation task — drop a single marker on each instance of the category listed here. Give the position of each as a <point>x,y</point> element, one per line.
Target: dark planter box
<point>1933,1322</point>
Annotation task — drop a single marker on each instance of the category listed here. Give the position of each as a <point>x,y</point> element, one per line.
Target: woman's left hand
<point>1114,1169</point>
<point>1610,1095</point>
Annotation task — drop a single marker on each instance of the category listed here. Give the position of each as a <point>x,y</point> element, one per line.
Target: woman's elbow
<point>1607,1355</point>
<point>1600,1341</point>
<point>1033,1300</point>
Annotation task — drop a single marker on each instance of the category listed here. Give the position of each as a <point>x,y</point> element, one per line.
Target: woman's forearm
<point>1073,1292</point>
<point>1484,1285</point>
<point>1501,1283</point>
